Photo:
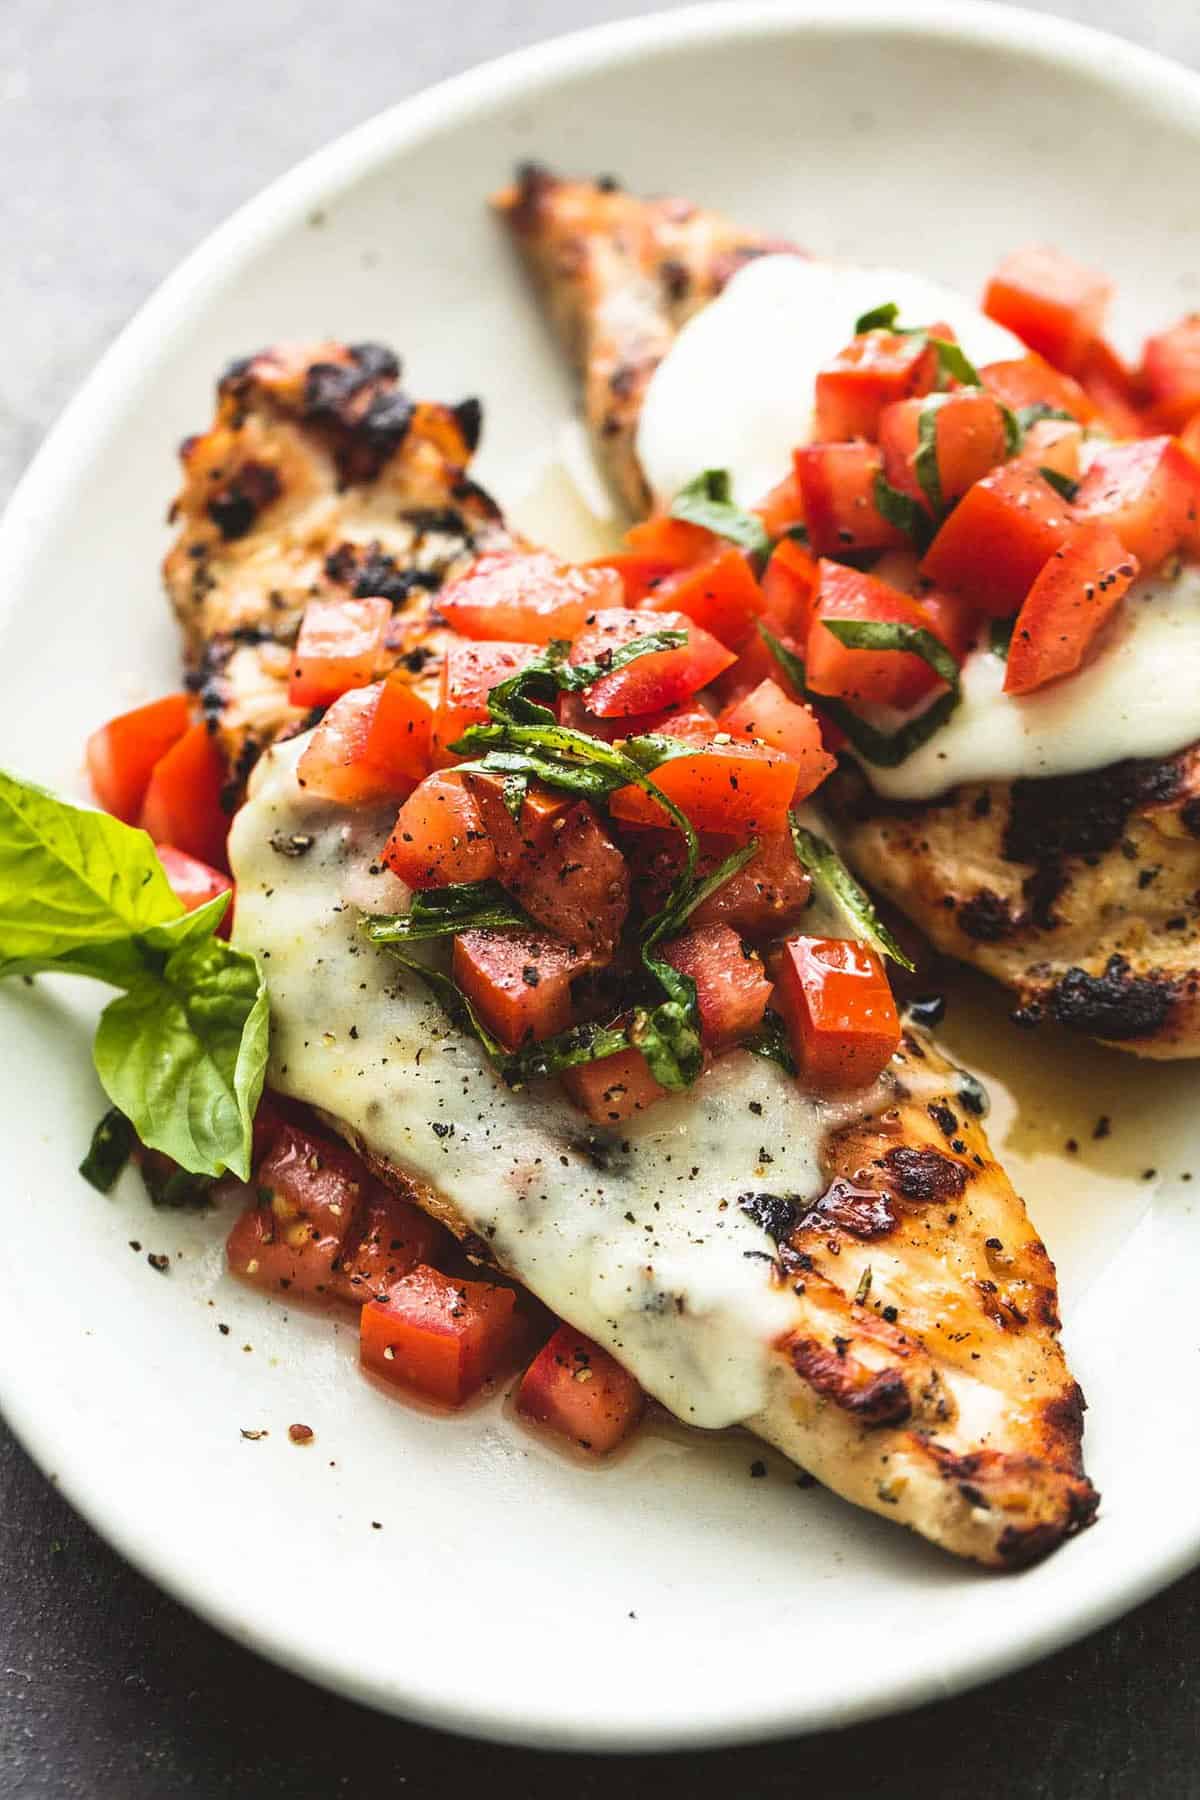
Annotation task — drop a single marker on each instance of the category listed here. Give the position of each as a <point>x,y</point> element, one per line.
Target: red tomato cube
<point>875,677</point>
<point>526,598</point>
<point>338,649</point>
<point>438,1336</point>
<point>1171,373</point>
<point>469,674</point>
<point>1149,492</point>
<point>998,537</point>
<point>720,595</point>
<point>763,899</point>
<point>182,804</point>
<point>121,755</point>
<point>519,984</point>
<point>1077,590</point>
<point>311,1189</point>
<point>1053,444</point>
<point>658,679</point>
<point>672,541</point>
<point>837,482</point>
<point>577,1389</point>
<point>782,508</point>
<point>969,439</point>
<point>767,716</point>
<point>841,1017</point>
<point>372,744</point>
<point>1052,303</point>
<point>738,789</point>
<point>1113,389</point>
<point>789,584</point>
<point>874,370</point>
<point>438,837</point>
<point>390,1238</point>
<point>1030,381</point>
<point>613,1089</point>
<point>731,989</point>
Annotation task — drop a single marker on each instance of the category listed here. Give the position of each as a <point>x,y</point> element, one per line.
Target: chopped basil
<point>953,362</point>
<point>886,749</point>
<point>580,1044</point>
<point>1013,433</point>
<point>520,699</point>
<point>441,912</point>
<point>1028,416</point>
<point>901,510</point>
<point>770,1041</point>
<point>110,1149</point>
<point>880,318</point>
<point>708,501</point>
<point>827,868</point>
<point>1062,484</point>
<point>925,462</point>
<point>894,634</point>
<point>514,789</point>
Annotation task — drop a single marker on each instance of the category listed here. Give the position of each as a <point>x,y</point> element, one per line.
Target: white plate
<point>669,1600</point>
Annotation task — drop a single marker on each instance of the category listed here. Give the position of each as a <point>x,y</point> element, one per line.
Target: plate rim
<point>1128,69</point>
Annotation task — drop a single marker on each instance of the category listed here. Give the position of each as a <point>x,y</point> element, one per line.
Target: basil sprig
<point>953,362</point>
<point>886,749</point>
<point>182,1050</point>
<point>708,500</point>
<point>444,911</point>
<point>828,871</point>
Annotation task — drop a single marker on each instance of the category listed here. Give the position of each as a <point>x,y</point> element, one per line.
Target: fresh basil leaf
<point>925,462</point>
<point>173,1189</point>
<point>1013,434</point>
<point>887,749</point>
<point>668,1036</point>
<point>880,318</point>
<point>1062,484</point>
<point>1000,636</point>
<point>708,501</point>
<point>954,363</point>
<point>894,634</point>
<point>520,698</point>
<point>441,912</point>
<point>76,888</point>
<point>901,510</point>
<point>770,1041</point>
<point>110,1149</point>
<point>580,1044</point>
<point>1033,415</point>
<point>182,1054</point>
<point>827,868</point>
<point>514,789</point>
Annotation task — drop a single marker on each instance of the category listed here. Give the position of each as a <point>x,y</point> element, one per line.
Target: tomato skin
<point>998,537</point>
<point>767,715</point>
<point>1052,303</point>
<point>875,369</point>
<point>782,508</point>
<point>1031,381</point>
<point>193,881</point>
<point>649,683</point>
<point>731,989</point>
<point>121,755</point>
<point>469,673</point>
<point>520,984</point>
<point>1077,590</point>
<point>672,541</point>
<point>372,744</point>
<point>577,1389</point>
<point>969,440</point>
<point>720,595</point>
<point>391,1237</point>
<point>789,583</point>
<point>526,598</point>
<point>1149,492</point>
<point>292,1242</point>
<point>641,576</point>
<point>1113,389</point>
<point>182,804</point>
<point>1171,373</point>
<point>741,790</point>
<point>837,482</point>
<point>615,1088</point>
<point>841,1017</point>
<point>875,677</point>
<point>338,649</point>
<point>438,837</point>
<point>438,1336</point>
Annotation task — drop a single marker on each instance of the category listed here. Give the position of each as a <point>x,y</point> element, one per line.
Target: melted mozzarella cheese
<point>735,391</point>
<point>634,1235</point>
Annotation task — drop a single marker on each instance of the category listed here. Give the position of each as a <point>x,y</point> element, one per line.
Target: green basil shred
<point>830,873</point>
<point>110,1149</point>
<point>708,501</point>
<point>886,749</point>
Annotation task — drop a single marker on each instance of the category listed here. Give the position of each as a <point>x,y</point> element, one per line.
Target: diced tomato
<point>338,649</point>
<point>660,678</point>
<point>789,583</point>
<point>311,1188</point>
<point>519,984</point>
<point>1189,437</point>
<point>526,598</point>
<point>1171,373</point>
<point>391,1237</point>
<point>560,863</point>
<point>763,899</point>
<point>720,595</point>
<point>756,663</point>
<point>969,439</point>
<point>1113,389</point>
<point>841,1017</point>
<point>1030,381</point>
<point>998,537</point>
<point>121,755</point>
<point>672,541</point>
<point>951,618</point>
<point>767,715</point>
<point>577,1389</point>
<point>1075,593</point>
<point>731,988</point>
<point>875,369</point>
<point>1149,492</point>
<point>469,673</point>
<point>1053,444</point>
<point>877,677</point>
<point>1052,303</point>
<point>782,508</point>
<point>738,789</point>
<point>193,881</point>
<point>614,1088</point>
<point>438,837</point>
<point>182,804</point>
<point>837,482</point>
<point>641,576</point>
<point>372,744</point>
<point>439,1336</point>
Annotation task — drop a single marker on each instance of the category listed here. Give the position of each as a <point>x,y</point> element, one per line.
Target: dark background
<point>127,131</point>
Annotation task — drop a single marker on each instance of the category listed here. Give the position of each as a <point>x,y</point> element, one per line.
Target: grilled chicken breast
<point>856,1282</point>
<point>317,478</point>
<point>1081,894</point>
